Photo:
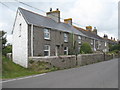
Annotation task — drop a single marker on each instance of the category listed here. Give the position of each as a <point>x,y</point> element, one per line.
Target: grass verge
<point>11,70</point>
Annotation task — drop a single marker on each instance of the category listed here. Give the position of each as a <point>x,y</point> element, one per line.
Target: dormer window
<point>79,39</point>
<point>65,37</point>
<point>46,34</point>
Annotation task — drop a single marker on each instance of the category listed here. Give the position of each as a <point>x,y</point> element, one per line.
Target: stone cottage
<point>36,35</point>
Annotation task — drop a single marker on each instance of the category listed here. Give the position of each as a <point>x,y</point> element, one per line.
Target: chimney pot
<point>57,9</point>
<point>105,36</point>
<point>111,38</point>
<point>50,9</point>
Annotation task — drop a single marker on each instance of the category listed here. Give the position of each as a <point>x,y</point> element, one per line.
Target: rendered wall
<point>20,43</point>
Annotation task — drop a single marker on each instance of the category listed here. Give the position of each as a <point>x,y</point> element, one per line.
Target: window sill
<point>47,39</point>
<point>65,42</point>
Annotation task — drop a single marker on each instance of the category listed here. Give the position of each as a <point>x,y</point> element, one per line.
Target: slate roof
<point>110,41</point>
<point>89,34</point>
<point>39,20</point>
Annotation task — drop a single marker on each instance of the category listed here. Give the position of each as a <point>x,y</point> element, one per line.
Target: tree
<point>85,48</point>
<point>3,38</point>
<point>115,47</point>
<point>73,49</point>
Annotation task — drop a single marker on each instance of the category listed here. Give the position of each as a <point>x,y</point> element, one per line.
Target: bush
<point>7,49</point>
<point>115,47</point>
<point>85,48</point>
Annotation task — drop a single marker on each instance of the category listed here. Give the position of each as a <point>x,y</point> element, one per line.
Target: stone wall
<point>70,61</point>
<point>60,62</point>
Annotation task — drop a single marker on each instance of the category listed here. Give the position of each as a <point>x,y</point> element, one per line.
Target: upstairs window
<point>92,42</point>
<point>20,27</point>
<point>105,43</point>
<point>79,39</point>
<point>99,44</point>
<point>65,50</point>
<point>47,50</point>
<point>46,34</point>
<point>65,37</point>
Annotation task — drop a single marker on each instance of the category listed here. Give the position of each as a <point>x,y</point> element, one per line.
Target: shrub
<point>85,48</point>
<point>7,49</point>
<point>114,47</point>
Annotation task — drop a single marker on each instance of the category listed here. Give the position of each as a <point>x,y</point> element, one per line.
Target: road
<point>99,75</point>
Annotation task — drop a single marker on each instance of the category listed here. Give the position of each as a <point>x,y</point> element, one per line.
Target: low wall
<point>70,61</point>
<point>60,62</point>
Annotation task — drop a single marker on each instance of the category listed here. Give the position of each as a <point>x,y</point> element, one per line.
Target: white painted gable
<point>20,41</point>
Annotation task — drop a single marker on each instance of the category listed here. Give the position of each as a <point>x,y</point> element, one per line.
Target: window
<point>65,37</point>
<point>46,34</point>
<point>20,27</point>
<point>47,50</point>
<point>19,14</point>
<point>99,44</point>
<point>79,39</point>
<point>105,44</point>
<point>92,42</point>
<point>65,50</point>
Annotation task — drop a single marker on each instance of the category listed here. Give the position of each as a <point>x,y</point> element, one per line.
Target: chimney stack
<point>89,28</point>
<point>111,38</point>
<point>55,15</point>
<point>95,30</point>
<point>114,39</point>
<point>68,21</point>
<point>105,36</point>
<point>50,9</point>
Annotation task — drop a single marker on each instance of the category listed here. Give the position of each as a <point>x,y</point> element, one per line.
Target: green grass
<point>11,70</point>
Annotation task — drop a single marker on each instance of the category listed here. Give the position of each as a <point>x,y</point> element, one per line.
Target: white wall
<point>20,44</point>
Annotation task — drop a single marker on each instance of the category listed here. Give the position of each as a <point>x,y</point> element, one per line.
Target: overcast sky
<point>102,14</point>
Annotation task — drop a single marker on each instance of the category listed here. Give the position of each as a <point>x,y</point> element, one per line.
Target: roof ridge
<point>34,12</point>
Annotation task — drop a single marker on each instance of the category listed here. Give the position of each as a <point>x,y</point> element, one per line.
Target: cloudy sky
<point>102,14</point>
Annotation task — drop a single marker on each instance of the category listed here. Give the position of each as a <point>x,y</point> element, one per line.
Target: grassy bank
<point>12,70</point>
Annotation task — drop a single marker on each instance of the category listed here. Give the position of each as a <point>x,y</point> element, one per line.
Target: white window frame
<point>105,44</point>
<point>46,31</point>
<point>48,49</point>
<point>99,44</point>
<point>66,50</point>
<point>92,41</point>
<point>79,39</point>
<point>65,37</point>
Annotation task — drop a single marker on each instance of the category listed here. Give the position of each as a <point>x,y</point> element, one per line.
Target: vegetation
<point>114,48</point>
<point>73,50</point>
<point>12,70</point>
<point>85,48</point>
<point>5,48</point>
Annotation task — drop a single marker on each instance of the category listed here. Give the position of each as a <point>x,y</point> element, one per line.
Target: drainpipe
<point>31,40</point>
<point>94,45</point>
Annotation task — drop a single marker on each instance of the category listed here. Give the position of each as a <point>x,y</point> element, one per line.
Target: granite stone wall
<point>71,61</point>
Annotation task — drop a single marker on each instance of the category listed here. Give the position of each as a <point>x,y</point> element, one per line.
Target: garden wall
<point>70,61</point>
